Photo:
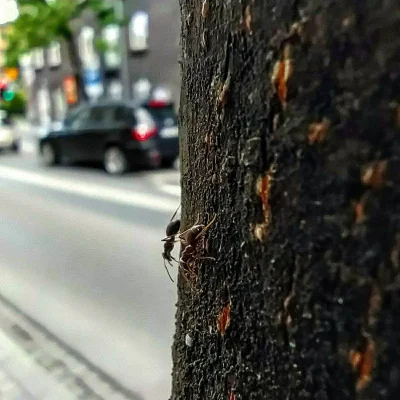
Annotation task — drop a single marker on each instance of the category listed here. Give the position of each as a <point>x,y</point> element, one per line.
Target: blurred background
<point>89,178</point>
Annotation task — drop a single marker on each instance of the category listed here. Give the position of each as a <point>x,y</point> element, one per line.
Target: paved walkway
<point>22,379</point>
<point>36,365</point>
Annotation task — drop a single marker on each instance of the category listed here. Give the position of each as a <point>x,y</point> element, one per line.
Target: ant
<point>171,231</point>
<point>190,239</point>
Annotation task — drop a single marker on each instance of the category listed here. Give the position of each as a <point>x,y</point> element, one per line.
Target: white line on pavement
<point>159,181</point>
<point>28,147</point>
<point>93,191</point>
<point>174,190</point>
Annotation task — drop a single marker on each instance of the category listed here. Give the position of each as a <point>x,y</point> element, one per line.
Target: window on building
<point>54,54</point>
<point>86,48</point>
<point>38,58</point>
<point>139,31</point>
<point>114,89</point>
<point>112,56</point>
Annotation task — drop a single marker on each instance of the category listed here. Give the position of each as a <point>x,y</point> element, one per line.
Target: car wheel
<point>115,161</point>
<point>49,155</point>
<point>15,147</point>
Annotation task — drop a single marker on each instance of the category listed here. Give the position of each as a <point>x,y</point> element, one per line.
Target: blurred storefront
<point>146,49</point>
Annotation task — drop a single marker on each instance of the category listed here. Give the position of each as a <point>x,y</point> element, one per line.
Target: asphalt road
<point>80,253</point>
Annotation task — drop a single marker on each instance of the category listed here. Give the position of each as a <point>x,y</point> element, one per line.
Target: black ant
<point>171,231</point>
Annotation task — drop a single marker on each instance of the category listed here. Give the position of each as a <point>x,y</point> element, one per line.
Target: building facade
<point>145,50</point>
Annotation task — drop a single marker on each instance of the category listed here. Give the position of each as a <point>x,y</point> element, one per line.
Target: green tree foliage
<point>16,106</point>
<point>40,22</point>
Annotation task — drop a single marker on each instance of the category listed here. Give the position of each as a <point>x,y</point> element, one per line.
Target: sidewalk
<point>36,365</point>
<point>22,379</point>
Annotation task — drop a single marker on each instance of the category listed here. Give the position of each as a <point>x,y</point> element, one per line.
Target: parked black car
<point>116,133</point>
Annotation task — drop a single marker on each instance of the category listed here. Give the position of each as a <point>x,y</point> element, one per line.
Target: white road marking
<point>93,191</point>
<point>28,147</point>
<point>174,190</point>
<point>159,182</point>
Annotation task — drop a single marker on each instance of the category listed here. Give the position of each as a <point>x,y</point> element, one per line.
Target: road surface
<point>80,253</point>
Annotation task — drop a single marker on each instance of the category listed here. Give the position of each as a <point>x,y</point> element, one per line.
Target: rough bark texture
<point>290,133</point>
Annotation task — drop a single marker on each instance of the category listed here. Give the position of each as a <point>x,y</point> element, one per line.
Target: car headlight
<point>5,135</point>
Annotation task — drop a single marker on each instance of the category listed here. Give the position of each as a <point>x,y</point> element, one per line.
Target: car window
<point>80,119</point>
<point>113,114</point>
<point>120,114</point>
<point>71,115</point>
<point>98,114</point>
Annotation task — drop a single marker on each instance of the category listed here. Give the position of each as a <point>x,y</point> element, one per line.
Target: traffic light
<point>8,95</point>
<point>6,92</point>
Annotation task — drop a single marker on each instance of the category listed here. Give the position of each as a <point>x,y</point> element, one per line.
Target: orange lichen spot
<point>362,363</point>
<point>375,301</point>
<point>264,184</point>
<point>287,300</point>
<point>260,231</point>
<point>359,211</point>
<point>317,131</point>
<point>247,19</point>
<point>355,359</point>
<point>224,319</point>
<point>296,28</point>
<point>374,174</point>
<point>281,73</point>
<point>395,253</point>
<point>223,95</point>
<point>263,190</point>
<point>205,9</point>
<point>398,116</point>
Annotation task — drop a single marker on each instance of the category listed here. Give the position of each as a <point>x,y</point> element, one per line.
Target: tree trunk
<point>290,134</point>
<point>76,67</point>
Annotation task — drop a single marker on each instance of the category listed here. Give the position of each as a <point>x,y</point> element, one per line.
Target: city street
<point>81,254</point>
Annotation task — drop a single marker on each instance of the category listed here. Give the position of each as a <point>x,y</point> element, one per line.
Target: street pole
<point>124,71</point>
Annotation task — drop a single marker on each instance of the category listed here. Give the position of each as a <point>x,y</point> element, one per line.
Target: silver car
<point>8,138</point>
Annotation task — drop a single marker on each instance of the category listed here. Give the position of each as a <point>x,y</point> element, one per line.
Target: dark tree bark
<point>290,134</point>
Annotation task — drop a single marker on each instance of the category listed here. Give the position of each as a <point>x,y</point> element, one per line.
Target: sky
<point>9,11</point>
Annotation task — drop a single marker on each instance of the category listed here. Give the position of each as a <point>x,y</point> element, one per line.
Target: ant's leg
<point>170,263</point>
<point>205,229</point>
<point>166,268</point>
